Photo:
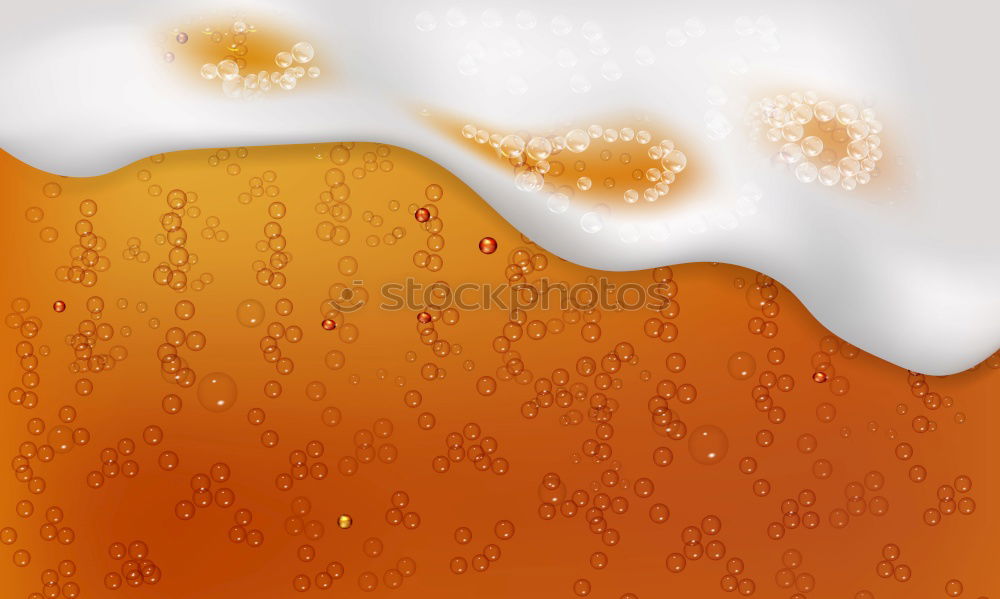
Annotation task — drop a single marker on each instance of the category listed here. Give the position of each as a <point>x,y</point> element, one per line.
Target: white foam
<point>912,277</point>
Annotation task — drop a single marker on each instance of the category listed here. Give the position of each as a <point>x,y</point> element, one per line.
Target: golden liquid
<point>548,453</point>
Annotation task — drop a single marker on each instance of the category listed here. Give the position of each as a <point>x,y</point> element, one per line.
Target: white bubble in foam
<point>591,31</point>
<point>455,17</point>
<point>516,85</point>
<point>765,26</point>
<point>492,18</point>
<point>579,84</point>
<point>565,58</point>
<point>591,222</point>
<point>511,48</point>
<point>790,153</point>
<point>467,65</point>
<point>303,52</point>
<point>738,65</point>
<point>528,180</point>
<point>525,19</point>
<point>806,172</point>
<point>644,56</point>
<point>233,88</point>
<point>812,146</point>
<point>723,219</point>
<point>716,96</point>
<point>475,49</point>
<point>577,140</point>
<point>746,206</point>
<point>558,203</point>
<point>658,231</point>
<point>228,70</point>
<point>599,47</point>
<point>628,233</point>
<point>770,43</point>
<point>696,224</point>
<point>718,125</point>
<point>288,81</point>
<point>694,27</point>
<point>829,175</point>
<point>611,71</point>
<point>744,26</point>
<point>561,25</point>
<point>676,38</point>
<point>751,192</point>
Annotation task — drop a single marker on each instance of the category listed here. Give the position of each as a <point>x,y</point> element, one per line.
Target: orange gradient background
<point>710,318</point>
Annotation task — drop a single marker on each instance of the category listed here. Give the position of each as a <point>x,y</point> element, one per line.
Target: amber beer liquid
<point>205,398</point>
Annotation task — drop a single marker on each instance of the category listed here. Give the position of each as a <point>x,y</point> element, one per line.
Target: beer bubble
<point>250,313</point>
<point>708,444</point>
<point>217,392</point>
<point>741,365</point>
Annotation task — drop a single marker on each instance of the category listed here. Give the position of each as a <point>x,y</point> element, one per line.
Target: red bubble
<point>819,377</point>
<point>422,215</point>
<point>424,317</point>
<point>329,324</point>
<point>59,306</point>
<point>487,245</point>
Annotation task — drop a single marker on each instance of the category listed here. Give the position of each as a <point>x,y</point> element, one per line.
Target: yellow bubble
<point>741,365</point>
<point>344,521</point>
<point>61,438</point>
<point>34,214</point>
<point>708,444</point>
<point>52,189</point>
<point>348,265</point>
<point>184,309</point>
<point>217,392</point>
<point>250,313</point>
<point>48,234</point>
<point>335,359</point>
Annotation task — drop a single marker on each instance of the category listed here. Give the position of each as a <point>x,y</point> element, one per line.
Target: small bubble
<point>708,444</point>
<point>741,365</point>
<point>250,313</point>
<point>487,245</point>
<point>217,392</point>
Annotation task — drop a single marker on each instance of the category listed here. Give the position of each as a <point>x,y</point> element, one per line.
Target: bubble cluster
<point>87,257</point>
<point>274,245</point>
<point>237,83</point>
<point>951,498</point>
<point>173,272</point>
<point>537,161</point>
<point>821,141</point>
<point>471,444</point>
<point>136,567</point>
<point>487,556</point>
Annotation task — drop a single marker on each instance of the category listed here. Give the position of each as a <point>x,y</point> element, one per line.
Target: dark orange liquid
<point>198,407</point>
